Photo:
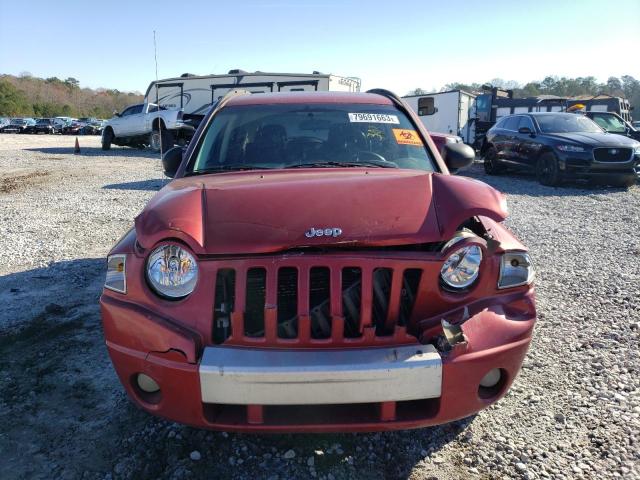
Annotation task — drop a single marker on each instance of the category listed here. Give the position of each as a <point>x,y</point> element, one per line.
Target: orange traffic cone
<point>76,150</point>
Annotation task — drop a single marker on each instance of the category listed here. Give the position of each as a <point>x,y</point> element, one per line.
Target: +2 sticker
<point>373,118</point>
<point>407,137</point>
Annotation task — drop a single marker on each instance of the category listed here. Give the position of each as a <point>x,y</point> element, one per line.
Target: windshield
<point>44,121</point>
<point>566,123</point>
<point>18,121</point>
<point>610,123</point>
<point>313,135</point>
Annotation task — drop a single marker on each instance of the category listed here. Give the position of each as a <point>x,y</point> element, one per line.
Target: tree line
<point>29,96</point>
<point>625,86</point>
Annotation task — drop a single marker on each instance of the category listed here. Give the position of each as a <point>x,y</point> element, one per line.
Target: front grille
<point>282,304</point>
<point>612,154</point>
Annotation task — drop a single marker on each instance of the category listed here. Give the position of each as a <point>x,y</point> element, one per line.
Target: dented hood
<point>262,211</point>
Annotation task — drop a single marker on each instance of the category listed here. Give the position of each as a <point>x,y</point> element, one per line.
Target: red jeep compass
<point>315,267</point>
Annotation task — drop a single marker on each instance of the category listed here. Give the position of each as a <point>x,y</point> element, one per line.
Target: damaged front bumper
<point>330,391</point>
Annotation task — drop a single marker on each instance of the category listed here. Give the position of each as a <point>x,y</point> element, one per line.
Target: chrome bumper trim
<point>248,376</point>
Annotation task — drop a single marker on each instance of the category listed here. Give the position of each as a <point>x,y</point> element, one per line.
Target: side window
<point>136,109</point>
<point>127,111</point>
<point>609,123</point>
<point>511,123</point>
<point>526,122</point>
<point>426,106</point>
<point>501,122</point>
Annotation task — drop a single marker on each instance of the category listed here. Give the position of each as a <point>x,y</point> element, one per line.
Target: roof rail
<point>386,93</point>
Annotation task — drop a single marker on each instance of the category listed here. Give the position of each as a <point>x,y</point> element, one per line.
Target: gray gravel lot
<point>574,411</point>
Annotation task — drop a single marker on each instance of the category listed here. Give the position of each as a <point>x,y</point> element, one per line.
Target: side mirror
<point>525,130</point>
<point>171,161</point>
<point>458,155</point>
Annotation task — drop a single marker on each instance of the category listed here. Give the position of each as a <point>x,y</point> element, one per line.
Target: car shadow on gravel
<point>96,151</point>
<point>525,183</point>
<point>147,185</point>
<point>64,414</point>
<point>59,393</point>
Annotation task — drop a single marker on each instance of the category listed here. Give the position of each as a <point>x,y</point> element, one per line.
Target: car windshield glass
<point>44,121</point>
<point>18,121</point>
<point>610,123</point>
<point>310,135</point>
<point>566,123</point>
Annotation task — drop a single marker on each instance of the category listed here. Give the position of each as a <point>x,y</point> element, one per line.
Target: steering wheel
<point>373,155</point>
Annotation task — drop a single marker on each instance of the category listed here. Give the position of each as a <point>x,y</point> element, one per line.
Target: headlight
<point>172,271</point>
<point>461,268</point>
<point>515,270</point>
<point>637,150</point>
<point>116,273</point>
<point>570,148</point>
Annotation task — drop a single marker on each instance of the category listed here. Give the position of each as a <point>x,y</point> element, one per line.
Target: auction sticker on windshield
<point>373,118</point>
<point>407,137</point>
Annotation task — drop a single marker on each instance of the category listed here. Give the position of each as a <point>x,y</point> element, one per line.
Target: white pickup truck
<point>146,124</point>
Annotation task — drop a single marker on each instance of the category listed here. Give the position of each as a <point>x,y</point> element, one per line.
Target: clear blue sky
<point>391,44</point>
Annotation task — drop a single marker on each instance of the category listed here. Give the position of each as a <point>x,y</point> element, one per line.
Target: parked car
<point>314,266</point>
<point>65,120</point>
<point>91,127</point>
<point>146,124</point>
<point>45,125</point>
<point>18,125</point>
<point>611,122</point>
<point>75,128</point>
<point>559,146</point>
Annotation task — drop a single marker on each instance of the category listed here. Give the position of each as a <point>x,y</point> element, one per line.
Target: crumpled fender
<point>178,213</point>
<point>456,199</point>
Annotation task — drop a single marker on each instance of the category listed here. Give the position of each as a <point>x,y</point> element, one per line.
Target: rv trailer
<point>194,95</point>
<point>451,112</point>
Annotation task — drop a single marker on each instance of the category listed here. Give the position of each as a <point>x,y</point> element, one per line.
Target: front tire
<point>107,138</point>
<point>547,170</point>
<point>491,165</point>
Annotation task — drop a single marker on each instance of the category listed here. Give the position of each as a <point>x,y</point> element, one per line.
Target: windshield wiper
<point>328,164</point>
<point>226,168</point>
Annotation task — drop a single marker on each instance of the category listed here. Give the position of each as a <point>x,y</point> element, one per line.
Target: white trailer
<point>194,95</point>
<point>450,112</point>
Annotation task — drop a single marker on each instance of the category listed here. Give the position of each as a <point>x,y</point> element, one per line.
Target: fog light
<point>491,379</point>
<point>147,384</point>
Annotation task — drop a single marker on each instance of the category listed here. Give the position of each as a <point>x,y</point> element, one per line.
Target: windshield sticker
<point>407,137</point>
<point>373,118</point>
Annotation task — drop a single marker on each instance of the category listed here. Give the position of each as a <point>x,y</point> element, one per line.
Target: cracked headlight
<point>515,270</point>
<point>116,279</point>
<point>462,267</point>
<point>172,271</point>
<point>570,148</point>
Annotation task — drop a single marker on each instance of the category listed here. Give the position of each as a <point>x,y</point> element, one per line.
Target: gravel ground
<point>574,411</point>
